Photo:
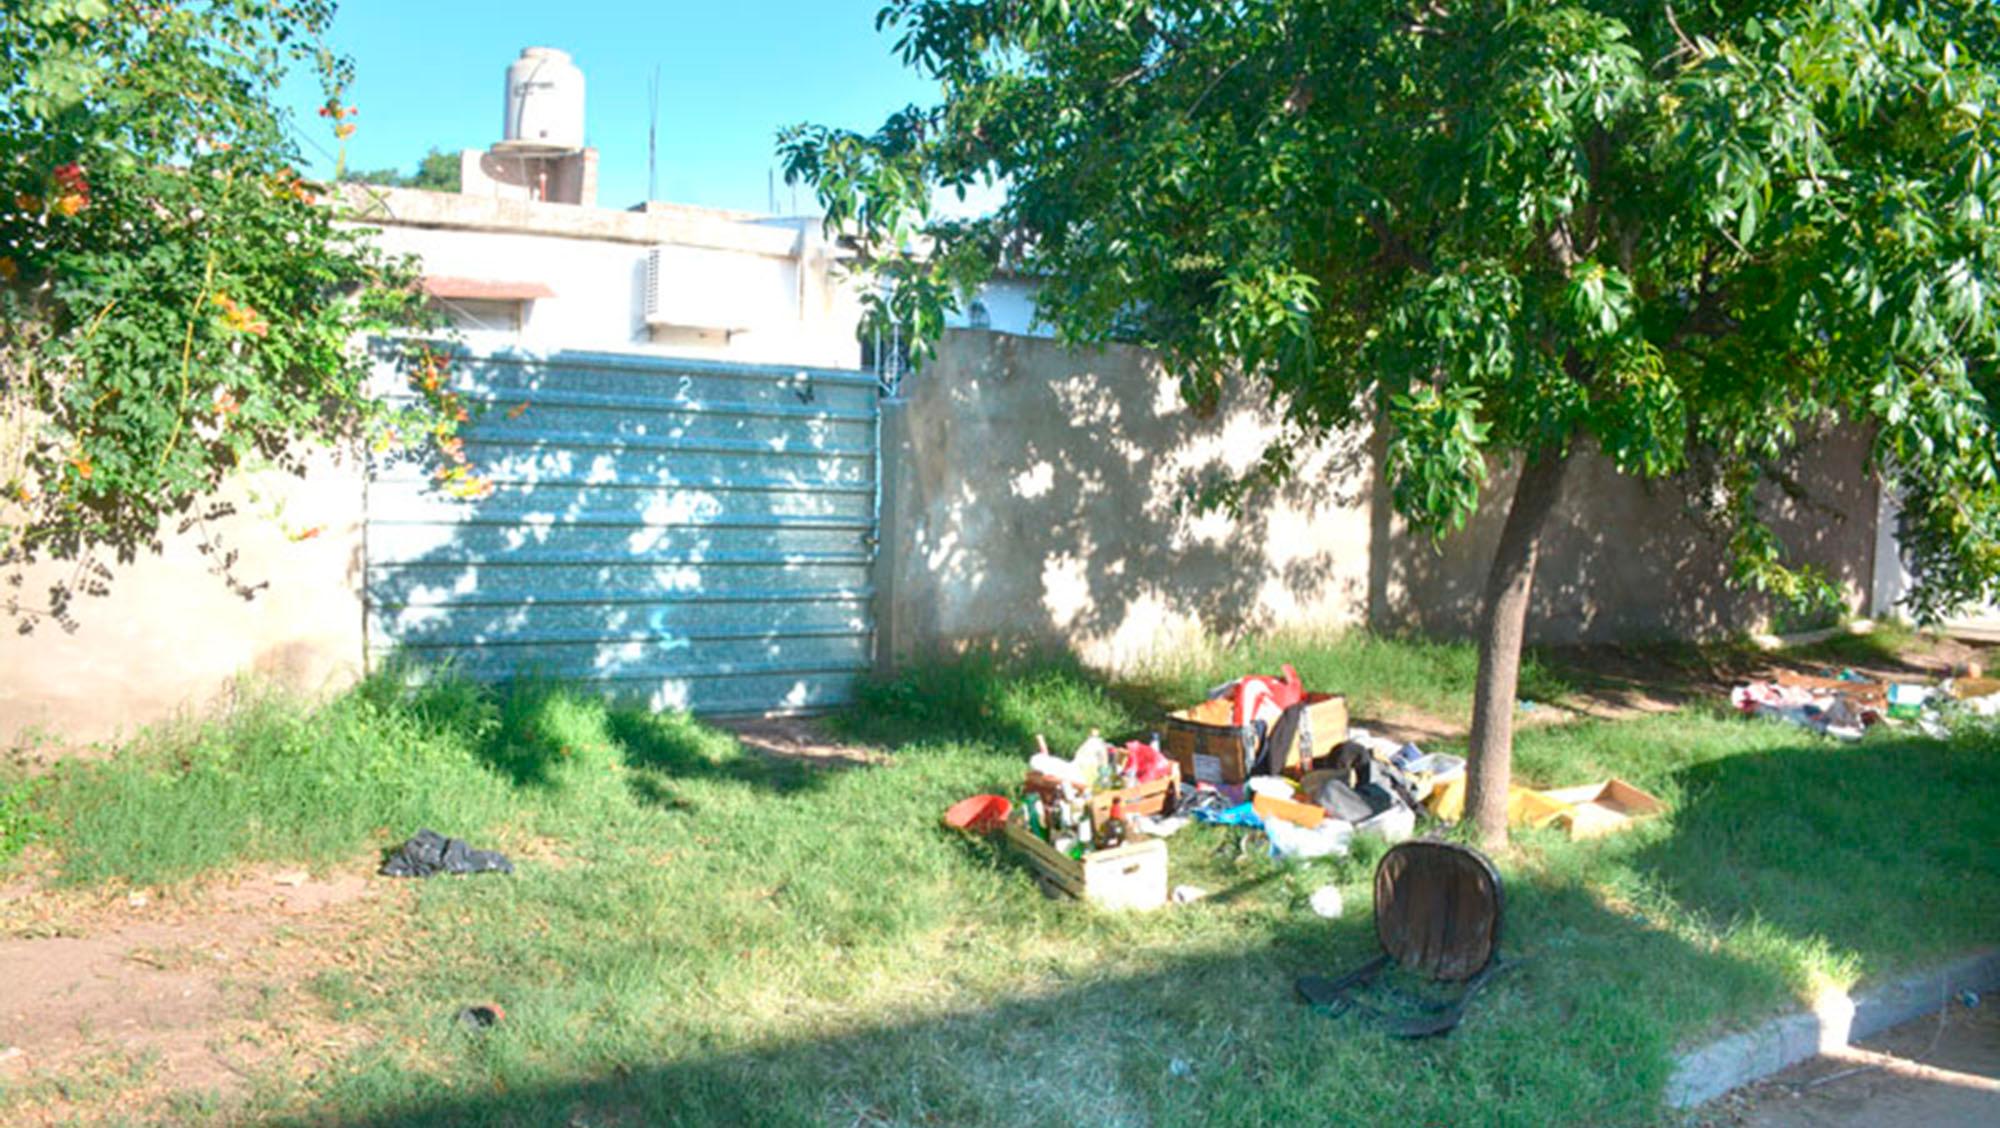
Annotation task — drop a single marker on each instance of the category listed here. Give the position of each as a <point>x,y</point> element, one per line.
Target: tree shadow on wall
<point>676,533</point>
<point>1625,559</point>
<point>1047,495</point>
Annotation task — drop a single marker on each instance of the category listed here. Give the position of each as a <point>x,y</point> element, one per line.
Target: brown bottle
<point>1115,832</point>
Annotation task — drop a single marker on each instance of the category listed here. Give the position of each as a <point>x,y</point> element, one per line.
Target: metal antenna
<point>653,135</point>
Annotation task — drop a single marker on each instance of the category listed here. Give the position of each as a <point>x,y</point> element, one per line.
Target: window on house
<point>482,304</point>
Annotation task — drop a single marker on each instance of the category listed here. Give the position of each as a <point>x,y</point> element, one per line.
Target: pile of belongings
<point>1845,705</point>
<point>1058,802</point>
<point>1840,707</point>
<point>1976,696</point>
<point>1367,786</point>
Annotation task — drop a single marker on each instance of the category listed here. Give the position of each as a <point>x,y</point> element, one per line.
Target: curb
<point>1764,640</point>
<point>1835,1020</point>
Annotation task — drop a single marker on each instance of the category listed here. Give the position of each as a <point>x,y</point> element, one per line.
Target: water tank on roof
<point>544,103</point>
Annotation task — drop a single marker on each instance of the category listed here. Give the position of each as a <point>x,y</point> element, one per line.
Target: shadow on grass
<point>1850,844</point>
<point>1001,697</point>
<point>543,728</point>
<point>667,748</point>
<point>1580,1033</point>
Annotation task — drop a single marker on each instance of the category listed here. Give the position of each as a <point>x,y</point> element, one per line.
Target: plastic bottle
<point>1091,757</point>
<point>1037,825</point>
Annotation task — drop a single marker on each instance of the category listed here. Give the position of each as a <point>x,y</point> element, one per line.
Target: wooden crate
<point>1140,799</point>
<point>1132,876</point>
<point>1211,750</point>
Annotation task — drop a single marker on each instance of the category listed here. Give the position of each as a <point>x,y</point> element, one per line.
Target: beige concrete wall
<point>1624,559</point>
<point>172,637</point>
<point>1034,494</point>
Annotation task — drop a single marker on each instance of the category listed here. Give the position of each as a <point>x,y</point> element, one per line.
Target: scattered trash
<point>980,814</point>
<point>1326,902</point>
<point>137,900</point>
<point>1392,825</point>
<point>429,853</point>
<point>1180,1068</point>
<point>1255,725</point>
<point>1597,809</point>
<point>1291,842</point>
<point>291,877</point>
<point>1975,695</point>
<point>1906,702</point>
<point>1969,998</point>
<point>1825,711</point>
<point>1588,811</point>
<point>1159,827</point>
<point>1271,785</point>
<point>1242,814</point>
<point>1188,894</point>
<point>11,1053</point>
<point>482,1016</point>
<point>1273,808</point>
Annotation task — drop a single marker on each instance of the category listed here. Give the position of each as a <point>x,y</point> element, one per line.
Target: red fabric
<point>1146,764</point>
<point>1261,698</point>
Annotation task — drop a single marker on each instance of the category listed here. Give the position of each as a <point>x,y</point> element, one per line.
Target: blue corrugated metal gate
<point>691,533</point>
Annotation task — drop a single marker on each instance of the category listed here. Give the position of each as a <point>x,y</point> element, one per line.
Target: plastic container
<point>980,814</point>
<point>1438,765</point>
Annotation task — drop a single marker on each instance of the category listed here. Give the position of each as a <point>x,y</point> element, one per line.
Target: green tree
<point>1685,236</point>
<point>175,302</point>
<point>437,171</point>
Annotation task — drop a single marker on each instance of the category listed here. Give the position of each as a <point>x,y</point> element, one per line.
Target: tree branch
<point>1395,250</point>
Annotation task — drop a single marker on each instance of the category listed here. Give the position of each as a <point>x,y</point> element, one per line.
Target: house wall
<point>778,284</point>
<point>1034,494</point>
<point>1624,559</point>
<point>171,636</point>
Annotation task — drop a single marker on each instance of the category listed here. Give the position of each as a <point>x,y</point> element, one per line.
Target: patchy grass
<point>18,819</point>
<point>722,937</point>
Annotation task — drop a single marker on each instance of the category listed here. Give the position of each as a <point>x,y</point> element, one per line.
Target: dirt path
<point>110,1001</point>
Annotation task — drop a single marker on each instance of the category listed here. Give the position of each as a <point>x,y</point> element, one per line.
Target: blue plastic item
<point>1239,815</point>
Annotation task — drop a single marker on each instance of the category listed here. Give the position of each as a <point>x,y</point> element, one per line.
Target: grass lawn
<point>700,934</point>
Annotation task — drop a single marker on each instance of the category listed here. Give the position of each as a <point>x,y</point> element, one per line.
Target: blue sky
<point>431,72</point>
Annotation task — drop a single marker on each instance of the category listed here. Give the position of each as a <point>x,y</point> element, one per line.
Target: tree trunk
<point>1503,620</point>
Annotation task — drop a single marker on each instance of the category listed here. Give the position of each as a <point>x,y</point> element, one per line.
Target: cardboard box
<point>1598,809</point>
<point>1307,815</point>
<point>1132,876</point>
<point>1588,811</point>
<point>1211,750</point>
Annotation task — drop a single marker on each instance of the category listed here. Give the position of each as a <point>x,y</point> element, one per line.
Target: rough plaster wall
<point>1623,559</point>
<point>1033,495</point>
<point>171,637</point>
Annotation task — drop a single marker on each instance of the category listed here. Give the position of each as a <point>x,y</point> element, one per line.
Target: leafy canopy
<point>1691,235</point>
<point>175,302</point>
<point>437,171</point>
